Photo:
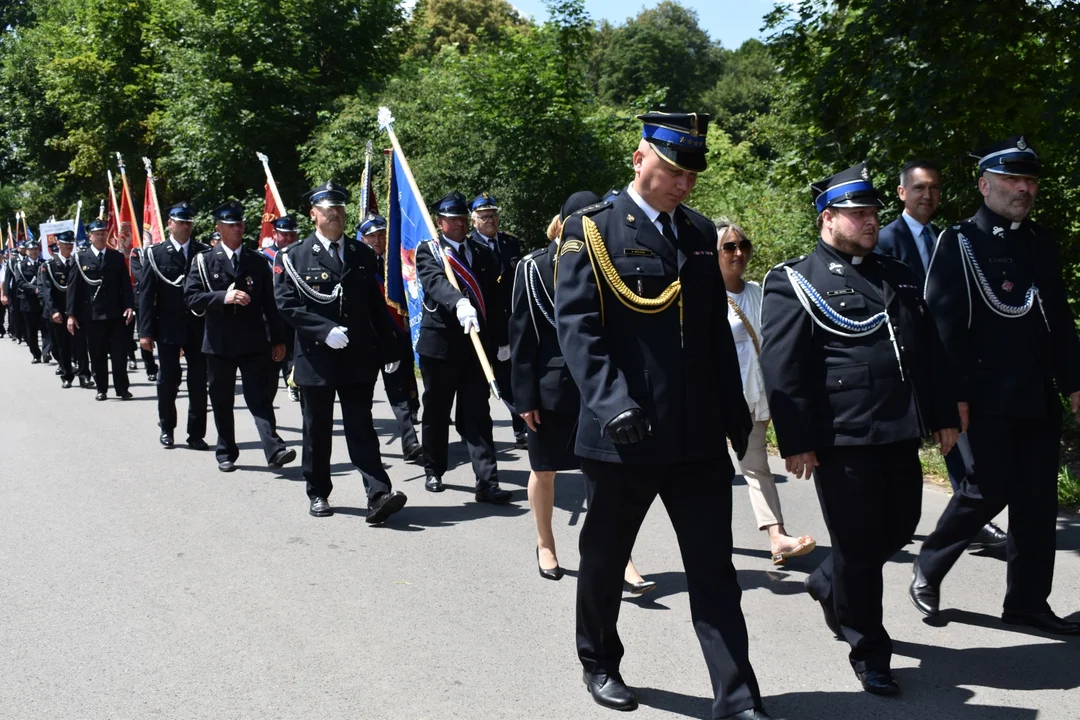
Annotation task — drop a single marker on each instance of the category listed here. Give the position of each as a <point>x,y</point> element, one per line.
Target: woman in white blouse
<point>734,250</point>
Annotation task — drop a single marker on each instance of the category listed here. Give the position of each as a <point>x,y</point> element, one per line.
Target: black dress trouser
<point>442,381</point>
<point>360,435</point>
<point>399,396</point>
<point>871,499</point>
<point>62,348</point>
<point>107,339</point>
<point>221,372</point>
<point>31,328</point>
<point>1016,464</point>
<point>168,385</point>
<point>697,497</point>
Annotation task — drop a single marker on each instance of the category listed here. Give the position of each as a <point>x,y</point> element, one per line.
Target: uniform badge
<point>865,174</point>
<point>278,270</point>
<point>325,276</point>
<point>999,231</point>
<point>250,282</point>
<point>836,268</point>
<point>630,218</point>
<point>316,248</point>
<point>215,276</point>
<point>1007,286</point>
<point>350,247</point>
<point>85,267</point>
<point>1021,144</point>
<point>570,246</point>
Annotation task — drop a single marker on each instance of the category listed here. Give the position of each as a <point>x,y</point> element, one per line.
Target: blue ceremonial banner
<point>80,232</point>
<point>406,230</point>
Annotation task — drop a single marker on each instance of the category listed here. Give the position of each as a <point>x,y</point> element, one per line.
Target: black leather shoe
<point>554,573</point>
<point>638,588</point>
<point>752,714</point>
<point>494,495</point>
<point>197,444</point>
<point>166,440</point>
<point>281,458</point>
<point>521,441</point>
<point>320,507</point>
<point>101,396</point>
<point>610,691</point>
<point>151,377</point>
<point>36,361</point>
<point>226,466</point>
<point>828,611</point>
<point>132,365</point>
<point>989,536</point>
<point>878,682</point>
<point>924,595</point>
<point>66,384</point>
<point>413,452</point>
<point>384,505</point>
<point>85,382</point>
<point>433,484</point>
<point>1047,622</point>
<point>59,370</point>
<point>294,394</point>
<point>46,358</point>
<point>124,395</point>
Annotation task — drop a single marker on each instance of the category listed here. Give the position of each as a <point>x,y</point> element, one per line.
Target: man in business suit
<point>448,362</point>
<point>164,318</point>
<point>232,286</point>
<point>100,301</point>
<point>327,290</point>
<point>911,239</point>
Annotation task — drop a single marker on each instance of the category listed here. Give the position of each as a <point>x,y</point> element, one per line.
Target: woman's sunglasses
<point>744,245</point>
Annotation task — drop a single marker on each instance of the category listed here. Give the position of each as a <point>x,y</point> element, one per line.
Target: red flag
<point>127,224</point>
<point>114,213</point>
<point>152,229</point>
<point>271,212</point>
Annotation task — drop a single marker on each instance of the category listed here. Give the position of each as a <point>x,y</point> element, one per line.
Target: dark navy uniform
<point>400,385</point>
<point>139,266</point>
<point>235,338</point>
<point>81,354</point>
<point>448,361</point>
<point>855,372</point>
<point>283,369</point>
<point>642,322</point>
<point>28,300</point>
<point>996,291</point>
<point>507,251</point>
<point>54,281</point>
<point>15,327</point>
<point>325,287</point>
<point>165,318</point>
<point>99,294</point>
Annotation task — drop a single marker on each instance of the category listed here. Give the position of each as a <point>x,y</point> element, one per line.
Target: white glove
<point>504,353</point>
<point>466,315</point>
<point>391,368</point>
<point>337,338</point>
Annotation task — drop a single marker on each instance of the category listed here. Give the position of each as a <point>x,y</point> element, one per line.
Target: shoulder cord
<point>179,281</point>
<point>96,284</point>
<point>201,263</point>
<point>808,296</point>
<point>746,324</point>
<point>321,298</point>
<point>52,277</point>
<point>992,301</point>
<point>532,283</point>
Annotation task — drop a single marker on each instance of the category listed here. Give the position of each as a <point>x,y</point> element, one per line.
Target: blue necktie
<point>928,242</point>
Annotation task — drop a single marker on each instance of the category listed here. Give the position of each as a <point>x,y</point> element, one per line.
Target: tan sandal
<point>805,546</point>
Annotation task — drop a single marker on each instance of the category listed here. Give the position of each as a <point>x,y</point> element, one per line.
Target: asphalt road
<point>142,583</point>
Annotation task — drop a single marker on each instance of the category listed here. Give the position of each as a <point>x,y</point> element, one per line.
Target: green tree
<point>743,90</point>
<point>661,48</point>
<point>461,23</point>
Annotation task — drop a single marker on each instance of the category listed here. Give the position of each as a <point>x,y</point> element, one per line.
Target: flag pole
<point>153,195</point>
<point>365,184</point>
<point>270,181</point>
<point>78,213</point>
<point>131,206</point>
<point>386,122</point>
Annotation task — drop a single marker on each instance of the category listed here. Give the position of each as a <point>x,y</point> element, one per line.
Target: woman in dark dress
<point>544,392</point>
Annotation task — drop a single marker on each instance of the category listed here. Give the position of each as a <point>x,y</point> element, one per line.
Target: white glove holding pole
<point>337,338</point>
<point>504,353</point>
<point>391,368</point>
<point>466,315</point>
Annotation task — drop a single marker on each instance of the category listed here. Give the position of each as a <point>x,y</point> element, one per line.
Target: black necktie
<point>665,223</point>
<point>236,262</point>
<point>334,250</point>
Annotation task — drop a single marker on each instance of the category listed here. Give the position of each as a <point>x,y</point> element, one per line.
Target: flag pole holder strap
<point>996,305</point>
<point>178,282</point>
<point>810,298</point>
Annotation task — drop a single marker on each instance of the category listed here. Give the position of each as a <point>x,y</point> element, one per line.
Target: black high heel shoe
<point>555,573</point>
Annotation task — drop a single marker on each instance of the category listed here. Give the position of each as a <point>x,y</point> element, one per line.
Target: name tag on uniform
<point>997,260</point>
<point>845,291</point>
<point>638,252</point>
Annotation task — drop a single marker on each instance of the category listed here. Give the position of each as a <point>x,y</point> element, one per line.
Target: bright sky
<point>729,21</point>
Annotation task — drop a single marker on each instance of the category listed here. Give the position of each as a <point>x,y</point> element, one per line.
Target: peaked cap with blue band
<point>848,189</point>
<point>678,138</point>
<point>286,223</point>
<point>371,224</point>
<point>329,194</point>
<point>484,201</point>
<point>67,237</point>
<point>1008,157</point>
<point>182,211</point>
<point>31,244</point>
<point>452,205</point>
<point>230,212</point>
<point>96,225</point>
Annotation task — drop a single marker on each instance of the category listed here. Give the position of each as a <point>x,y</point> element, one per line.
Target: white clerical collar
<point>856,259</point>
<point>1015,225</point>
<point>326,241</point>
